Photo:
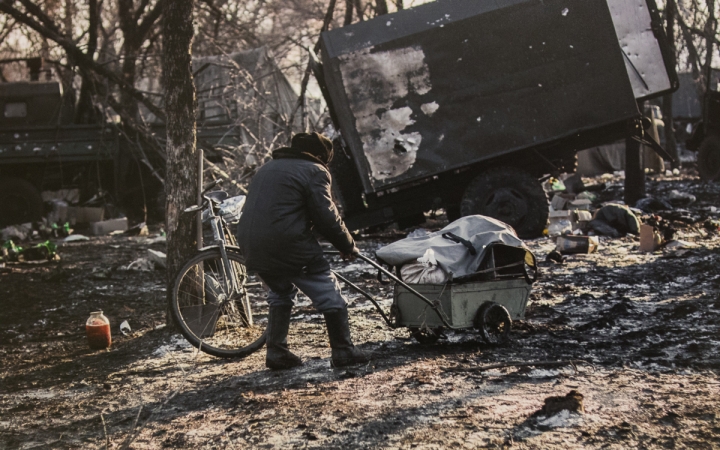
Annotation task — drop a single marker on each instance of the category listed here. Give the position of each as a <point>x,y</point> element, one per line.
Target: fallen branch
<point>569,362</point>
<point>107,439</point>
<point>131,435</point>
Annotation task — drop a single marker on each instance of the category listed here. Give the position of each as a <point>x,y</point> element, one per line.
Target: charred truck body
<point>467,104</point>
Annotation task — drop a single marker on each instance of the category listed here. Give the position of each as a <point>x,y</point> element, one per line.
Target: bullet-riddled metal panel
<point>643,58</point>
<point>456,82</point>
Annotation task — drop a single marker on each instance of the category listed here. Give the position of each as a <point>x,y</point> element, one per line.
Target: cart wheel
<point>494,323</point>
<point>426,335</point>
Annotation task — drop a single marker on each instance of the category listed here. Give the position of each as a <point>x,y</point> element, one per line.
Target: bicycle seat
<point>217,197</point>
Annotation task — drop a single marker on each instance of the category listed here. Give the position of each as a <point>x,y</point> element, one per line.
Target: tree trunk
<point>85,112</point>
<point>180,107</point>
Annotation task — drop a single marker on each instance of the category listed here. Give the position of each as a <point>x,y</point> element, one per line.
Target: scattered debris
<point>555,256</point>
<point>141,265</point>
<point>615,220</point>
<point>158,258</point>
<point>125,327</point>
<point>18,233</point>
<point>76,238</point>
<point>650,238</point>
<point>140,229</point>
<point>672,245</point>
<point>652,205</point>
<point>107,226</point>
<point>577,244</point>
<point>678,198</point>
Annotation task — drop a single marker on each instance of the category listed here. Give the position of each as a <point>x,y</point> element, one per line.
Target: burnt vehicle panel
<point>494,82</point>
<point>431,100</point>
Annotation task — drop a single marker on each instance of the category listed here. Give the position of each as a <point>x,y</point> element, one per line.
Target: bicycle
<point>210,302</point>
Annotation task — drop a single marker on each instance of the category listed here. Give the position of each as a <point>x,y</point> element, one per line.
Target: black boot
<point>278,356</point>
<point>344,352</point>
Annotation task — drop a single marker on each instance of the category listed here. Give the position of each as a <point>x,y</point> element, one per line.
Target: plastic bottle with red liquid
<point>97,328</point>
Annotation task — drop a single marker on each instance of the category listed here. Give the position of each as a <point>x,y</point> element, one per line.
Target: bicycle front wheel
<point>212,308</point>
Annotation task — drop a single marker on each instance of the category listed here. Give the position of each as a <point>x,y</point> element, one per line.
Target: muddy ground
<point>644,329</point>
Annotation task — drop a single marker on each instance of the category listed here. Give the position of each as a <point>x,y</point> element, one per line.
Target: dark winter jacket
<point>288,198</point>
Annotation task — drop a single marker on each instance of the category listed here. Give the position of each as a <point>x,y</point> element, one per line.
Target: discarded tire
<point>20,202</point>
<point>708,159</point>
<point>494,323</point>
<point>510,195</point>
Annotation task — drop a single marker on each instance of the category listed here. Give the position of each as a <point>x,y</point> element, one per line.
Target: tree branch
<point>150,19</point>
<point>37,12</point>
<point>78,56</point>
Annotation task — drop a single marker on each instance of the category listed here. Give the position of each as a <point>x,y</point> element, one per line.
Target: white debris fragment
<point>177,342</point>
<point>429,108</point>
<point>158,258</point>
<point>388,23</point>
<point>543,373</point>
<point>125,327</point>
<point>141,265</point>
<point>76,238</point>
<point>565,12</point>
<point>562,419</point>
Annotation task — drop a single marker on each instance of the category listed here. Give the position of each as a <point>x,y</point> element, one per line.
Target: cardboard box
<point>577,244</point>
<point>582,204</point>
<point>85,214</point>
<point>650,238</point>
<point>560,201</point>
<point>106,226</point>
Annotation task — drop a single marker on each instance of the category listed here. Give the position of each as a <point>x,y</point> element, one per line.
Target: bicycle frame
<point>219,228</point>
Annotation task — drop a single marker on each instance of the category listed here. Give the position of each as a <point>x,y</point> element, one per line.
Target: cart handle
<point>368,296</point>
<point>401,283</point>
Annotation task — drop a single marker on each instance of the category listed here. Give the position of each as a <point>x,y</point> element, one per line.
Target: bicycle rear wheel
<point>212,308</point>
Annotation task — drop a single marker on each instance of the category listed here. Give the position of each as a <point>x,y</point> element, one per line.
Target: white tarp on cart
<point>454,257</point>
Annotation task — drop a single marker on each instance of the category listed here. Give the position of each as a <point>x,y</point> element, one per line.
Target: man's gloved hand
<point>350,257</point>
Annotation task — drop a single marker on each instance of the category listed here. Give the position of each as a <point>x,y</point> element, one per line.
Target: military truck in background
<point>242,98</point>
<point>467,105</point>
<point>41,150</point>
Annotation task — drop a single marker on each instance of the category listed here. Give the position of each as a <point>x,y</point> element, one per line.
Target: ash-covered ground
<point>643,329</point>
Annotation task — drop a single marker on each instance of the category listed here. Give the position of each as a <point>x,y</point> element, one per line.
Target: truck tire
<point>20,202</point>
<point>708,159</point>
<point>509,195</point>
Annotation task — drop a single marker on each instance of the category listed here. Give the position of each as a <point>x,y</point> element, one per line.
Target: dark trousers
<point>322,288</point>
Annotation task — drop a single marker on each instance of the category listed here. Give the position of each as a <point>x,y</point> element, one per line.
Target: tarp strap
<point>455,238</point>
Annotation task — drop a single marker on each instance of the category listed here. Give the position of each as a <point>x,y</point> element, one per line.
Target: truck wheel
<point>20,202</point>
<point>510,195</point>
<point>708,159</point>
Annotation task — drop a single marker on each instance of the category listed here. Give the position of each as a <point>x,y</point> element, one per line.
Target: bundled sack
<point>459,248</point>
<point>424,271</point>
<point>615,220</point>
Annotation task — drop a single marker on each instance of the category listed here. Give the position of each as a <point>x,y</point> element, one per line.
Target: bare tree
<point>181,172</point>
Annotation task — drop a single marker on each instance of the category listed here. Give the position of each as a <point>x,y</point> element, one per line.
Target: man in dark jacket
<point>288,199</point>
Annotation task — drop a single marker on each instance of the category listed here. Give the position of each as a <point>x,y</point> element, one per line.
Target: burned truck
<point>467,105</point>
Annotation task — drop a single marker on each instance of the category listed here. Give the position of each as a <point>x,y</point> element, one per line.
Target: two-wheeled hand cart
<point>487,301</point>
